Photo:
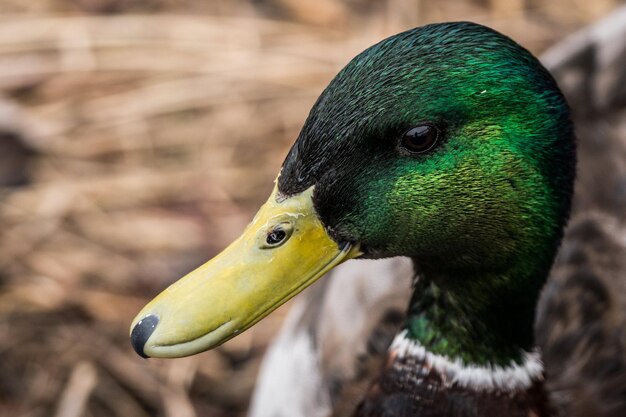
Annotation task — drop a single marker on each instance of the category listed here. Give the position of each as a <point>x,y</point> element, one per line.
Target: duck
<point>452,146</point>
<point>339,331</point>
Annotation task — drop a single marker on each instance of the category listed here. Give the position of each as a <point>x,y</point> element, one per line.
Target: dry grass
<point>136,140</point>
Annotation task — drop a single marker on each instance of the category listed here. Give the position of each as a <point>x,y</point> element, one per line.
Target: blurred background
<point>137,138</point>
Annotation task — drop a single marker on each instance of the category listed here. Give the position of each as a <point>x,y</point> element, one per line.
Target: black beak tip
<point>142,332</point>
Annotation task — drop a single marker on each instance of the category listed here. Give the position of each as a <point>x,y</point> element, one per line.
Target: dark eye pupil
<point>275,236</point>
<point>420,139</point>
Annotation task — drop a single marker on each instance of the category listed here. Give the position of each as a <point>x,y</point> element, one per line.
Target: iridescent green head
<point>500,173</point>
<point>482,210</point>
<point>449,144</point>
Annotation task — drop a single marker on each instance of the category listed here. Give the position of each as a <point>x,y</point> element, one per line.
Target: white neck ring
<point>515,377</point>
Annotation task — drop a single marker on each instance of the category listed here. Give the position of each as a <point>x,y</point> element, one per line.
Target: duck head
<point>448,143</point>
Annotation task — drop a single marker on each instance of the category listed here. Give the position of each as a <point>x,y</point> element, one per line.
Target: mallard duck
<point>339,331</point>
<point>448,144</point>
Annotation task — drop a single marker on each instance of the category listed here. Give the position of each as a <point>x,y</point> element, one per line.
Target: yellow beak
<point>284,250</point>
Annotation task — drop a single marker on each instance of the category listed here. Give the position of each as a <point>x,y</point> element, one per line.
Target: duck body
<point>450,145</point>
<point>483,336</point>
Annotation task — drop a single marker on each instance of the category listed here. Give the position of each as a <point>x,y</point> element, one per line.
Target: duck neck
<point>483,318</point>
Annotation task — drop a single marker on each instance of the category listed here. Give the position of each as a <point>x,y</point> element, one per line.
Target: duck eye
<point>420,139</point>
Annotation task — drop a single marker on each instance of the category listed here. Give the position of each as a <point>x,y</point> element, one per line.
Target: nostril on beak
<point>142,332</point>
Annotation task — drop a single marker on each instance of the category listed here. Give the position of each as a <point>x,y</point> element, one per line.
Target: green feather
<point>482,214</point>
